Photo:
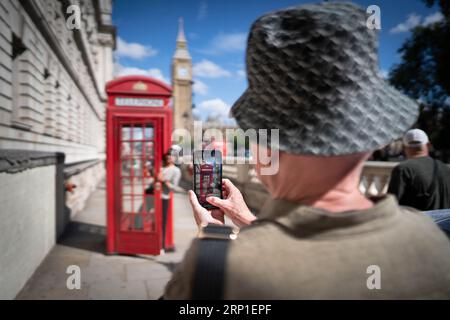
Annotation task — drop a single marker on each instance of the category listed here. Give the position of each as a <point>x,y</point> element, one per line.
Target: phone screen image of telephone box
<point>207,176</point>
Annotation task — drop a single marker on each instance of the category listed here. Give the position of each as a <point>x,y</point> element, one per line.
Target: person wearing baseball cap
<point>313,74</point>
<point>420,182</point>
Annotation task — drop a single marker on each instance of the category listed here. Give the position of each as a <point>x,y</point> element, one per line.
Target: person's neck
<point>328,183</point>
<point>337,200</point>
<point>334,195</point>
<point>418,155</point>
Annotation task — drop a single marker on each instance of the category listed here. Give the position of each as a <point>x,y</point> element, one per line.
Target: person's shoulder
<point>416,216</point>
<point>262,235</point>
<point>412,165</point>
<point>445,167</point>
<point>174,169</point>
<point>422,225</point>
<point>401,169</point>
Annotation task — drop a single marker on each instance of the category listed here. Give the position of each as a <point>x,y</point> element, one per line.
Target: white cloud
<point>200,87</point>
<point>433,18</point>
<point>134,50</point>
<point>384,73</point>
<point>157,73</point>
<point>415,20</point>
<point>214,107</point>
<point>226,42</point>
<point>208,69</point>
<point>120,70</point>
<point>241,73</point>
<point>410,23</point>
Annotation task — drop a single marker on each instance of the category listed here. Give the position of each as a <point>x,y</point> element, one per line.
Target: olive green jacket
<point>300,252</point>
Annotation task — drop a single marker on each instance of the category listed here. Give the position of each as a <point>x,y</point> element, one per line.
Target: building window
<point>18,48</point>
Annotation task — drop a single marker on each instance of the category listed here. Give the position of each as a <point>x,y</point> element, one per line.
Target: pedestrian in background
<point>420,182</point>
<point>170,177</point>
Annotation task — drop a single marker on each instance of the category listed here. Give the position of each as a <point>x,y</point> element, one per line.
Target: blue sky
<point>216,31</point>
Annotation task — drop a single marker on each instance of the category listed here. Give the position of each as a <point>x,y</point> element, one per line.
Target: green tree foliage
<point>424,74</point>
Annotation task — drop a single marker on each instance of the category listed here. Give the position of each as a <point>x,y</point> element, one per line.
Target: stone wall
<point>86,180</point>
<point>29,214</point>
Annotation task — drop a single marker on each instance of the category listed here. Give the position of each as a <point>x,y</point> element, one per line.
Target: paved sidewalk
<point>107,277</point>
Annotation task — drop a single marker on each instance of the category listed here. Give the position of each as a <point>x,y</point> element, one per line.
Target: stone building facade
<point>52,122</point>
<point>52,80</point>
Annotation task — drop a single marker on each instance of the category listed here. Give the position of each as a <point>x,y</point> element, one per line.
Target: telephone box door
<point>138,154</point>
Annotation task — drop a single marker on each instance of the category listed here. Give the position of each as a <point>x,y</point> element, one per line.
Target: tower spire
<point>181,37</point>
<point>181,51</point>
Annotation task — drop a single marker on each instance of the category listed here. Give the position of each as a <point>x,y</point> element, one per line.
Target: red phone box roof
<point>137,86</point>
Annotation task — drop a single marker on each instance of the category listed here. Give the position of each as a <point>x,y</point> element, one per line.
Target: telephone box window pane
<point>148,133</point>
<point>131,187</point>
<point>138,213</point>
<point>127,204</point>
<point>132,203</point>
<point>138,203</point>
<point>127,166</point>
<point>126,187</point>
<point>149,170</point>
<point>125,149</point>
<point>126,133</point>
<point>149,149</point>
<point>137,133</point>
<point>137,148</point>
<point>135,186</point>
<point>133,168</point>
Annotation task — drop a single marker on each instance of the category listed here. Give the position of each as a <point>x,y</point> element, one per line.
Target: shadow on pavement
<point>84,236</point>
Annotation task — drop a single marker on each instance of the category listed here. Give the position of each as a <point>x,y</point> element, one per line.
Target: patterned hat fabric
<point>313,74</point>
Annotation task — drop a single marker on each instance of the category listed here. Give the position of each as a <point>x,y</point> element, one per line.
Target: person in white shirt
<point>169,177</point>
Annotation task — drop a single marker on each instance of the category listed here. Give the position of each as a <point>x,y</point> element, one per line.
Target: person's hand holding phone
<point>233,204</point>
<point>205,216</point>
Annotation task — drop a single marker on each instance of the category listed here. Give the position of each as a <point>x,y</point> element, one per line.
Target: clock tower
<point>182,83</point>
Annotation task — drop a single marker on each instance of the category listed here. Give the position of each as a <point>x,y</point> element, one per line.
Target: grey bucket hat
<point>313,74</point>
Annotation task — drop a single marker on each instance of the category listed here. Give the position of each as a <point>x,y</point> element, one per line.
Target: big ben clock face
<point>183,72</point>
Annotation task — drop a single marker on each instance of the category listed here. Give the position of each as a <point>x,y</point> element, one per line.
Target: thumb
<point>220,203</point>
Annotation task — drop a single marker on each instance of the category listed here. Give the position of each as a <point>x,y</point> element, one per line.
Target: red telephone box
<point>138,133</point>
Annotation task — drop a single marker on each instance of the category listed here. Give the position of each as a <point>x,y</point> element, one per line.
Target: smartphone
<point>207,176</point>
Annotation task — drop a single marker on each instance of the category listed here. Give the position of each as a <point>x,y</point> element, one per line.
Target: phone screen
<point>207,175</point>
